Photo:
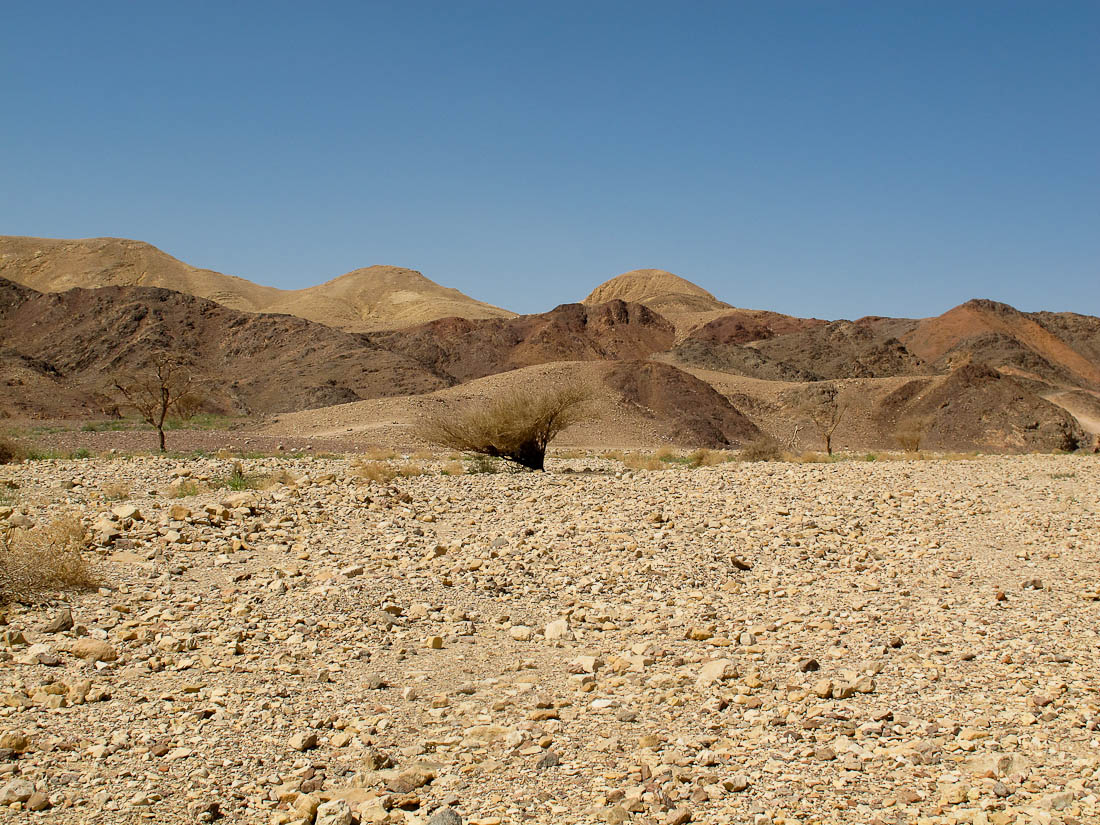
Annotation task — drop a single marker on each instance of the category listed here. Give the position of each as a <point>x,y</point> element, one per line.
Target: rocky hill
<point>62,351</point>
<point>372,298</point>
<point>462,349</point>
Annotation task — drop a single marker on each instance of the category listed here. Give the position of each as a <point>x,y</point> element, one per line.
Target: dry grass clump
<point>281,476</point>
<point>569,454</point>
<point>665,458</point>
<point>383,472</point>
<point>373,472</point>
<point>9,491</point>
<point>116,491</point>
<point>379,454</point>
<point>707,458</point>
<point>453,468</point>
<point>643,461</point>
<point>764,448</point>
<point>185,489</point>
<point>45,558</point>
<point>10,452</point>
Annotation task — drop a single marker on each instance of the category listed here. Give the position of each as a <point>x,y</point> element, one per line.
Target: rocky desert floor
<point>855,642</point>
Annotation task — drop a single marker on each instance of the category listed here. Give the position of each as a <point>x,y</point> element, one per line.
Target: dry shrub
<point>184,489</point>
<point>764,448</point>
<point>423,455</point>
<point>706,458</point>
<point>516,426</point>
<point>664,454</point>
<point>910,433</point>
<point>116,491</point>
<point>45,558</point>
<point>410,470</point>
<point>10,452</point>
<point>373,472</point>
<point>569,454</point>
<point>379,454</point>
<point>453,468</point>
<point>644,461</point>
<point>281,476</point>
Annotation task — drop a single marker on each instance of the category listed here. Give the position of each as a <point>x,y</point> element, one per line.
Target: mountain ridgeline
<point>74,314</point>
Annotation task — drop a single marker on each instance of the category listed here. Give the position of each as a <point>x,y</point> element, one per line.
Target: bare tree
<point>516,426</point>
<point>162,388</point>
<point>824,409</point>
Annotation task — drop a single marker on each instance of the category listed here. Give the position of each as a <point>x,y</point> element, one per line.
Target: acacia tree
<point>824,409</point>
<point>165,386</point>
<point>516,426</point>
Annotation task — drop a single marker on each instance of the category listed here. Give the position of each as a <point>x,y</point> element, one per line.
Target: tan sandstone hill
<point>369,299</point>
<point>680,301</point>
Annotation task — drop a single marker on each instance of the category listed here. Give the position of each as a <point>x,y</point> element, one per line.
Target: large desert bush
<point>516,426</point>
<point>46,558</point>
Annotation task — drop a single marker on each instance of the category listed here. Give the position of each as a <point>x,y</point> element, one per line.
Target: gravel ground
<point>857,642</point>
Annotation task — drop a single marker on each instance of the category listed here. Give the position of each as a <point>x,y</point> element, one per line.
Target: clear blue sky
<point>830,159</point>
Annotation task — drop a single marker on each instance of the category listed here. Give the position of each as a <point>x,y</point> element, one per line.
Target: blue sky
<point>829,159</point>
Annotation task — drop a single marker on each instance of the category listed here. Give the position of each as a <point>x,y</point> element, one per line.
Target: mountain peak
<point>640,286</point>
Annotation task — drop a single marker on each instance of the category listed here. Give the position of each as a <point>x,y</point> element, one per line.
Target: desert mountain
<point>680,301</point>
<point>977,406</point>
<point>373,298</point>
<point>62,351</point>
<point>460,349</point>
<point>1055,347</point>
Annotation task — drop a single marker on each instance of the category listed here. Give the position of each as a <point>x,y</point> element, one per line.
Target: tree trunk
<point>160,432</point>
<point>829,444</point>
<point>530,456</point>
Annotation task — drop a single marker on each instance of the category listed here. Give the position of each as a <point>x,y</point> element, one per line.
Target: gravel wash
<point>854,642</point>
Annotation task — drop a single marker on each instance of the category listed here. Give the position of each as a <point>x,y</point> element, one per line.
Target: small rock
<point>445,816</point>
<point>548,760</point>
<point>303,741</point>
<point>738,783</point>
<point>557,630</point>
<point>60,623</point>
<point>716,670</point>
<point>519,632</point>
<point>206,811</point>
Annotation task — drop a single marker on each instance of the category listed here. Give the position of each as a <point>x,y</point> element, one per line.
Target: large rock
<point>333,812</point>
<point>94,650</point>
